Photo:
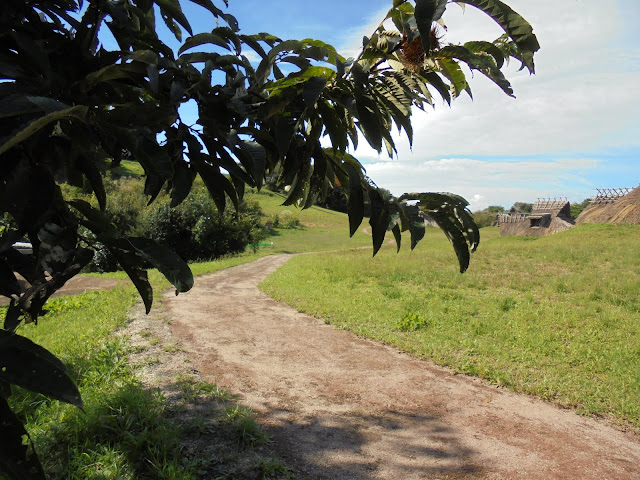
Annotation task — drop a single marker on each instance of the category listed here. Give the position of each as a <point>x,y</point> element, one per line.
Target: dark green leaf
<point>369,121</point>
<point>79,112</point>
<point>355,206</point>
<point>153,186</point>
<point>94,177</point>
<point>452,71</point>
<point>334,124</point>
<point>380,219</point>
<point>513,24</point>
<point>181,182</point>
<point>13,105</point>
<point>169,263</point>
<point>300,185</point>
<point>312,90</point>
<point>442,6</point>
<point>424,15</point>
<point>254,158</point>
<point>397,235</point>
<point>482,62</point>
<point>215,183</point>
<point>17,460</point>
<point>454,233</point>
<point>486,47</point>
<point>131,264</point>
<point>171,8</point>
<point>437,82</point>
<point>284,131</point>
<point>8,282</point>
<point>414,223</point>
<point>449,212</point>
<point>30,366</point>
<point>48,105</point>
<point>201,39</point>
<point>13,317</point>
<point>95,220</point>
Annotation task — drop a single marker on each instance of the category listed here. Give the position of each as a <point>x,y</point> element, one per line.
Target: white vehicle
<point>23,247</point>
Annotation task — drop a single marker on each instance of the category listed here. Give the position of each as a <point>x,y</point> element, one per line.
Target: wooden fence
<point>555,203</point>
<point>610,195</point>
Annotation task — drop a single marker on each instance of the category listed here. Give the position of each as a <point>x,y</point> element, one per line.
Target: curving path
<point>340,407</point>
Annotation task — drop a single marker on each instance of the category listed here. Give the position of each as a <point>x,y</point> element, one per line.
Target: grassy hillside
<point>320,229</point>
<point>556,317</point>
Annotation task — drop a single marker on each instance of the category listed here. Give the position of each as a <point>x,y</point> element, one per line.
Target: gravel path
<point>340,407</point>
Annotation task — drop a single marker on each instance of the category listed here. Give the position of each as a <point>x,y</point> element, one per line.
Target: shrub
<point>125,202</point>
<point>195,229</point>
<point>484,218</point>
<point>285,219</point>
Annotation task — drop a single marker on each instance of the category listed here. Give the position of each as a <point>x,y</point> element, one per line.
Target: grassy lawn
<point>556,317</point>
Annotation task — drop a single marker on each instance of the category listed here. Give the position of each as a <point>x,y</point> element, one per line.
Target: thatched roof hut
<point>625,209</point>
<point>548,217</point>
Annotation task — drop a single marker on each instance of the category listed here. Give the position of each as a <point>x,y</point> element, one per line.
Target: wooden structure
<point>613,205</point>
<point>610,195</point>
<point>550,215</point>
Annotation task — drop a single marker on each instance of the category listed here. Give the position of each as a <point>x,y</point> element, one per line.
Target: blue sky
<point>574,126</point>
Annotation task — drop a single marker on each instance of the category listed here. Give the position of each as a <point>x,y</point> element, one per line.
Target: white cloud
<point>584,98</point>
<point>349,43</point>
<point>484,182</point>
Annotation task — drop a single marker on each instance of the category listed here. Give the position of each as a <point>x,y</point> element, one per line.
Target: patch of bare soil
<point>198,409</point>
<point>80,284</point>
<point>341,407</point>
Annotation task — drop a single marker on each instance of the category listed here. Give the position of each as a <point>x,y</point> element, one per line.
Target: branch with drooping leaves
<point>366,100</point>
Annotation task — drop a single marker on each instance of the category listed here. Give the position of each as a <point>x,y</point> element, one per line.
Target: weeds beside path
<point>341,407</point>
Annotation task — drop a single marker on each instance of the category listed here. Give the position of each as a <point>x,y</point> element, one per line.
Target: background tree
<point>577,208</point>
<point>69,108</point>
<point>522,207</point>
<point>487,217</point>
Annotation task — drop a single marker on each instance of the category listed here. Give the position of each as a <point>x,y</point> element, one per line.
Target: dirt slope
<point>340,407</point>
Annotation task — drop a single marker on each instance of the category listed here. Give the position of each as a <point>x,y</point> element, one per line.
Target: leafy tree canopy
<point>487,217</point>
<point>495,208</point>
<point>577,208</point>
<point>523,207</point>
<point>70,109</point>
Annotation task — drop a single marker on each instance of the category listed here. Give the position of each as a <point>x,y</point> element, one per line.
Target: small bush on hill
<point>195,230</point>
<point>285,220</point>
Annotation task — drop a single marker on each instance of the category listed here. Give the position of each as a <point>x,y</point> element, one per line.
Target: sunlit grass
<point>555,317</point>
<point>121,433</point>
<point>321,229</point>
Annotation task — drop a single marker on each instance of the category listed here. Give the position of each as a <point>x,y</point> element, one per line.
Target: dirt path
<point>340,407</point>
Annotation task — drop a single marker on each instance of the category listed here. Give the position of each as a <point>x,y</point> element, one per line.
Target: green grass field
<point>555,317</point>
